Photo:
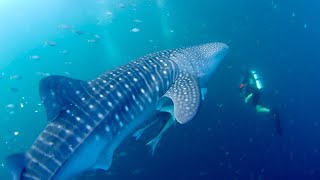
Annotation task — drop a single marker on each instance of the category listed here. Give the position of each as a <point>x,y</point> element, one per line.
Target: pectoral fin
<point>185,95</point>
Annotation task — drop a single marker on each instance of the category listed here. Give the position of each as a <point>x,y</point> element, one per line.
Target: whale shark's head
<point>201,60</point>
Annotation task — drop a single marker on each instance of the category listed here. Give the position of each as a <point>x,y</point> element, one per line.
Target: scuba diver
<point>250,90</point>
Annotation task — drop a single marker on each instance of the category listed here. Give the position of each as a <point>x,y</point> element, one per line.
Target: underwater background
<point>227,139</point>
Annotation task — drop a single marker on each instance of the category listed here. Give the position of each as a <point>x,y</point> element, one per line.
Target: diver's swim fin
<point>203,93</point>
<point>277,121</point>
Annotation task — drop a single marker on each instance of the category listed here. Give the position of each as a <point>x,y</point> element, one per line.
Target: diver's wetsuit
<point>247,88</point>
<point>250,88</point>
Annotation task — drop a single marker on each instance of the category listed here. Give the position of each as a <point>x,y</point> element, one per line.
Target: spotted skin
<point>201,60</point>
<point>185,95</point>
<point>104,110</point>
<point>103,107</point>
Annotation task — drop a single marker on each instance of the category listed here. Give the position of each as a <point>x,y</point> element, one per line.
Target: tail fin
<point>153,143</point>
<point>16,164</point>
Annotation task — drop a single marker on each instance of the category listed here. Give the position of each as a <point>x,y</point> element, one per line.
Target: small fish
<point>14,90</point>
<point>122,6</point>
<point>137,21</point>
<point>10,106</point>
<point>16,77</point>
<point>122,154</point>
<point>92,41</point>
<point>136,171</point>
<point>97,36</point>
<point>220,105</point>
<point>64,26</point>
<point>43,74</point>
<point>34,57</point>
<point>135,30</point>
<point>108,173</point>
<point>64,52</point>
<point>109,13</point>
<point>100,2</point>
<point>203,173</point>
<point>50,43</point>
<point>68,62</point>
<point>16,133</point>
<point>78,32</point>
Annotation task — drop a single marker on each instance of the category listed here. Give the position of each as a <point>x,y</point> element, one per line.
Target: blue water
<point>227,139</point>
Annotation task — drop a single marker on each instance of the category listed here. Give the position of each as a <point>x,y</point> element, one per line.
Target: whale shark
<point>87,120</point>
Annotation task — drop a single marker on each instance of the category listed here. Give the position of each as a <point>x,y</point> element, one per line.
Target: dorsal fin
<point>185,95</point>
<point>55,92</point>
<point>16,163</point>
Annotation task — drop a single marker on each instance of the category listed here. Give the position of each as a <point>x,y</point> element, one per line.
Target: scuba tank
<point>256,79</point>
